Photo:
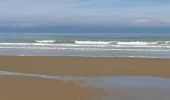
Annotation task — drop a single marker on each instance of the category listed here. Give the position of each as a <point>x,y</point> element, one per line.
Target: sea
<point>145,45</point>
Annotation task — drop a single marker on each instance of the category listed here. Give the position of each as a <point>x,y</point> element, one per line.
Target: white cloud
<point>151,22</point>
<point>141,21</point>
<point>165,21</point>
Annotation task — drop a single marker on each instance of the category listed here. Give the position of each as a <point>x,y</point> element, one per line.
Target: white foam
<point>137,43</point>
<point>45,41</point>
<point>92,42</point>
<point>124,43</point>
<point>93,45</point>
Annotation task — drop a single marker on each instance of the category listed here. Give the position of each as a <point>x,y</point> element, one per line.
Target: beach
<point>87,66</point>
<point>33,86</point>
<point>84,50</point>
<point>27,88</point>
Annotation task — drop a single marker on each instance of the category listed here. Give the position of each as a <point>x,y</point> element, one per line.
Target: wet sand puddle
<point>118,88</point>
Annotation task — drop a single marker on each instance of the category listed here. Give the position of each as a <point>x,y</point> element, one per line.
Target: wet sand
<point>30,88</point>
<point>87,66</point>
<point>34,88</point>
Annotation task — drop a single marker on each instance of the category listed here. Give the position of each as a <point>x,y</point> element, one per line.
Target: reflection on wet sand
<point>117,88</point>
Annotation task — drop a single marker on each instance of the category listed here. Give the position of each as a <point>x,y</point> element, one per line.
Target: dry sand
<point>31,88</point>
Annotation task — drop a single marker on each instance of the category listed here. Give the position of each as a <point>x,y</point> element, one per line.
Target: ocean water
<point>150,45</point>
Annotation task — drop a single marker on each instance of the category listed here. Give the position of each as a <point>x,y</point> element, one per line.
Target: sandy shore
<point>86,66</point>
<point>32,88</point>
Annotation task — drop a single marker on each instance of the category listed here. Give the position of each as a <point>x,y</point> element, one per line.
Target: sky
<point>85,13</point>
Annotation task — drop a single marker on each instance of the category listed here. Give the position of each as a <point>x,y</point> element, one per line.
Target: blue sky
<point>108,13</point>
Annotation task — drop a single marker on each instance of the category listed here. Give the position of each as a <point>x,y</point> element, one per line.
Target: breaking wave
<point>92,45</point>
<point>123,43</point>
<point>88,48</point>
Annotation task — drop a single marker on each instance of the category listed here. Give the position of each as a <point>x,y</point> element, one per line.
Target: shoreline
<point>138,57</point>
